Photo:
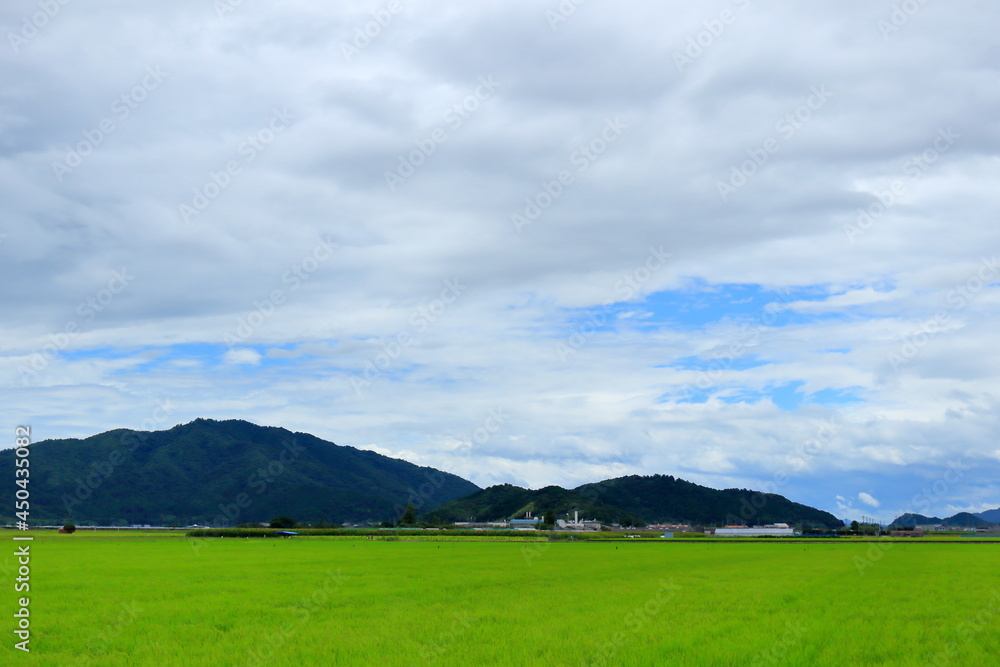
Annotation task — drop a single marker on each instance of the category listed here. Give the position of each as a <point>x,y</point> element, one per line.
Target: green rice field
<point>153,599</point>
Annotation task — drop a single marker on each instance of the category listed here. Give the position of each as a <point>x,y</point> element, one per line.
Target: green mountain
<point>652,499</point>
<point>506,501</point>
<point>911,519</point>
<point>221,473</point>
<point>992,516</point>
<point>660,498</point>
<point>960,520</point>
<point>963,520</point>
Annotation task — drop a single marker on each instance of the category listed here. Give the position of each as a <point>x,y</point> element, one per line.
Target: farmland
<point>146,598</point>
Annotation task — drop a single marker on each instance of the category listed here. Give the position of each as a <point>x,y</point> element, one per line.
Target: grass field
<point>146,599</point>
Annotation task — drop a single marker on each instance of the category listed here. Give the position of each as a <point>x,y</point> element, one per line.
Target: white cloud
<point>868,499</point>
<point>839,302</point>
<point>242,355</point>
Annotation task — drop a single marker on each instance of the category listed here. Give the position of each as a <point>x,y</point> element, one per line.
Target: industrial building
<point>770,530</point>
<point>577,524</point>
<point>527,523</point>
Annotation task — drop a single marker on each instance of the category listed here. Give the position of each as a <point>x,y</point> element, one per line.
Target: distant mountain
<point>960,520</point>
<point>506,501</point>
<point>963,519</point>
<point>659,498</point>
<point>911,519</point>
<point>652,499</point>
<point>993,516</point>
<point>221,473</point>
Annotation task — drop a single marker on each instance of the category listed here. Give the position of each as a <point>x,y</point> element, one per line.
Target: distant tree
<point>69,528</point>
<point>409,517</point>
<point>854,526</point>
<point>386,524</point>
<point>283,522</point>
<point>550,517</point>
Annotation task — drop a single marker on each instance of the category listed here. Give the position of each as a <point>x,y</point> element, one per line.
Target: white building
<point>770,530</point>
<point>577,524</point>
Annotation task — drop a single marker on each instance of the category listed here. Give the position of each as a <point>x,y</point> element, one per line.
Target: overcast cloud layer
<point>744,243</point>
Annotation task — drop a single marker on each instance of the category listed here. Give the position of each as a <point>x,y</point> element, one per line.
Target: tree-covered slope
<point>505,501</point>
<point>964,520</point>
<point>657,498</point>
<point>992,516</point>
<point>960,520</point>
<point>911,519</point>
<point>220,472</point>
<point>663,498</point>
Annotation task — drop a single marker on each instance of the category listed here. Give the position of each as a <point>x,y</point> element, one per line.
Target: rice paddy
<point>153,599</point>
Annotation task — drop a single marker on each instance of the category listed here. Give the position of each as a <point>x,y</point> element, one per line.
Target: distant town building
<point>577,524</point>
<point>770,530</point>
<point>527,523</point>
<point>672,527</point>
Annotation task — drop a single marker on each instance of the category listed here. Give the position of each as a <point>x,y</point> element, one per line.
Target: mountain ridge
<point>959,520</point>
<point>223,473</point>
<point>644,498</point>
<point>233,471</point>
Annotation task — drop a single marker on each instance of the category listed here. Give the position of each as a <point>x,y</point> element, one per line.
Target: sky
<point>746,244</point>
